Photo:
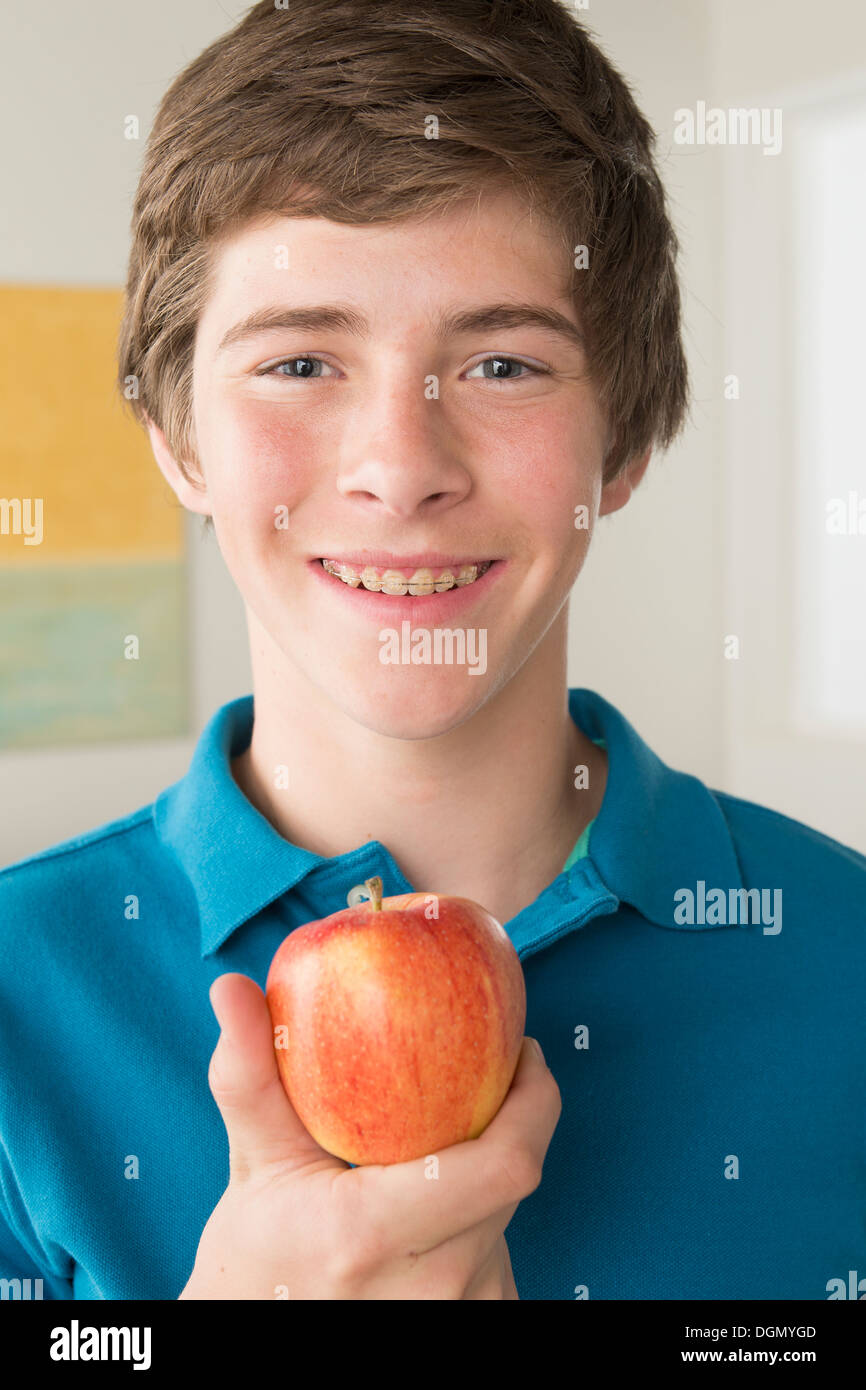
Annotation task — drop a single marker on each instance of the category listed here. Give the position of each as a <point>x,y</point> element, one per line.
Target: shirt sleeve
<point>24,1272</point>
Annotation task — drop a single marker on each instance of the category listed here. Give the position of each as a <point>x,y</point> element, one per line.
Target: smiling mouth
<point>418,582</point>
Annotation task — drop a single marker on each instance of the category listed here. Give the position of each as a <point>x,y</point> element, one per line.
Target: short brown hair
<point>320,109</point>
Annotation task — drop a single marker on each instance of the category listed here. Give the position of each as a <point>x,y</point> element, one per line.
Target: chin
<point>418,703</point>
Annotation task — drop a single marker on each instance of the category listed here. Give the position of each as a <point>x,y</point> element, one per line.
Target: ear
<point>617,492</point>
<point>193,497</point>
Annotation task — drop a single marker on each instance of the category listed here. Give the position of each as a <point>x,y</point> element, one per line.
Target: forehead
<point>492,246</point>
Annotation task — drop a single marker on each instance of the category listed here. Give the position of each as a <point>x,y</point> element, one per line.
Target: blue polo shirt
<point>697,982</point>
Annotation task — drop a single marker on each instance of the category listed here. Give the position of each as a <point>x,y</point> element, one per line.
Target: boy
<point>403,318</point>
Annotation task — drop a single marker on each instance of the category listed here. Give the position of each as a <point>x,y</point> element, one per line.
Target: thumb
<point>262,1125</point>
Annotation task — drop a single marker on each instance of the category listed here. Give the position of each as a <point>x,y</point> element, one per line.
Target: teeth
<point>422,582</point>
<point>468,574</point>
<point>370,580</point>
<point>394,583</point>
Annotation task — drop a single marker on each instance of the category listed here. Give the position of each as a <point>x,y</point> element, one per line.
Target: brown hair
<point>319,109</point>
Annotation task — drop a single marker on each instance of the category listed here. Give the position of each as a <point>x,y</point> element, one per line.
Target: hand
<point>297,1222</point>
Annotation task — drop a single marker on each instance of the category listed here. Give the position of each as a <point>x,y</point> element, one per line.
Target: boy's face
<point>393,442</point>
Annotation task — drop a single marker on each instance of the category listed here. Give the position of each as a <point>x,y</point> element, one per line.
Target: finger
<point>261,1123</point>
<point>474,1251</point>
<point>480,1177</point>
<point>510,1287</point>
<point>494,1281</point>
<point>528,1116</point>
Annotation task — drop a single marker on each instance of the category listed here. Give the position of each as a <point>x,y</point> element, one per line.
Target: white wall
<point>806,63</point>
<point>705,547</point>
<point>645,613</point>
<point>649,610</point>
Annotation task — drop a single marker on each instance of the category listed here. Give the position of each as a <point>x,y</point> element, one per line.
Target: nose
<point>399,453</point>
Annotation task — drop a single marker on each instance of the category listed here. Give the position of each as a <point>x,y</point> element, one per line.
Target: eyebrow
<point>342,318</point>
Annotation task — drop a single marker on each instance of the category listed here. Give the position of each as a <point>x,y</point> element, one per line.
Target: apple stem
<point>370,889</point>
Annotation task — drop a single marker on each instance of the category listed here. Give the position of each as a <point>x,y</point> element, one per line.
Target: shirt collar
<point>658,830</point>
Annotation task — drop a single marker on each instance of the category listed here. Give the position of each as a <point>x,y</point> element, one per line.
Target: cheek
<point>548,465</point>
<point>260,459</point>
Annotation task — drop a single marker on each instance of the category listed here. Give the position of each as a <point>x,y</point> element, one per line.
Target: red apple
<point>397,1023</point>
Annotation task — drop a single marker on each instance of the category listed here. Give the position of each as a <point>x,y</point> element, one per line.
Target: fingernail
<point>537,1046</point>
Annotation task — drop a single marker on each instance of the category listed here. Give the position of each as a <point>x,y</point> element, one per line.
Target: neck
<point>488,811</point>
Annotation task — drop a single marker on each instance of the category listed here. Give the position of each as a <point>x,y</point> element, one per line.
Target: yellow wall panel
<point>66,437</point>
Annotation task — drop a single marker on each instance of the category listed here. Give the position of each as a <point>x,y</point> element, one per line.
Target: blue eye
<point>500,369</point>
<point>306,375</point>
